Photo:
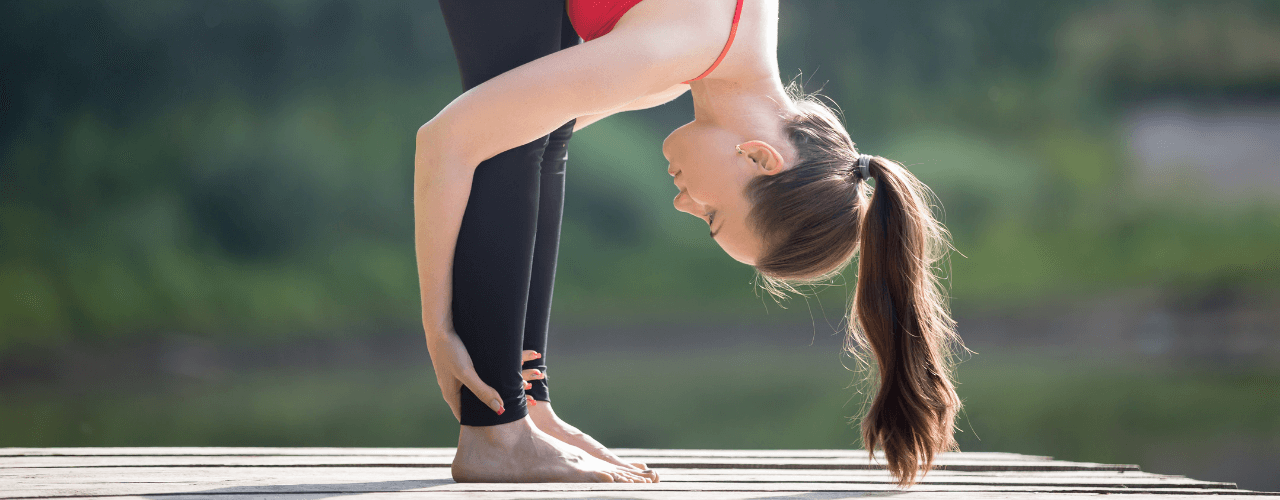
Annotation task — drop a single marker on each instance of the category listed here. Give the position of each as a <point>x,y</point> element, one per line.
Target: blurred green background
<point>206,233</point>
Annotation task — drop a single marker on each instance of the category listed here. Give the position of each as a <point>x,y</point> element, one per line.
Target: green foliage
<point>242,170</point>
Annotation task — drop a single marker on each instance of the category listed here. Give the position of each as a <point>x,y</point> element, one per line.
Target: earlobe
<point>767,159</point>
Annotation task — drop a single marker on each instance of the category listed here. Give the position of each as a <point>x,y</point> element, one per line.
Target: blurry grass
<point>1029,221</point>
<point>1074,409</point>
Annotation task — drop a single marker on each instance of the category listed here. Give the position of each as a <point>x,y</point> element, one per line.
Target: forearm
<point>441,187</point>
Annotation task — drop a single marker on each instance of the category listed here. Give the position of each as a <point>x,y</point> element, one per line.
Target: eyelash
<point>711,218</point>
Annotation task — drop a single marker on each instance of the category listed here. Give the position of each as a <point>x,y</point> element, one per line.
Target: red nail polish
<point>500,410</point>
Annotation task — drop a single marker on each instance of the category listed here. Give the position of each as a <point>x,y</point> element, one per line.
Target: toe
<point>602,477</point>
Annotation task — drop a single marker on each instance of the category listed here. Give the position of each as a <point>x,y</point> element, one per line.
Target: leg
<point>493,261</point>
<point>493,258</point>
<point>546,247</point>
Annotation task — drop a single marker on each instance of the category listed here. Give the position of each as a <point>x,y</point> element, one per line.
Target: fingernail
<point>537,355</point>
<point>498,403</point>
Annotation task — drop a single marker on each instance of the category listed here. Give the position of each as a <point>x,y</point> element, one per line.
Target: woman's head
<point>799,212</point>
<point>712,165</point>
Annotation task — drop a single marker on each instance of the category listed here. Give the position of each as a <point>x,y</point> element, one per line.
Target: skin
<point>654,47</point>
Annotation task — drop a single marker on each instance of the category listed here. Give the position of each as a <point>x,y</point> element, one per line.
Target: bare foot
<point>519,452</point>
<point>547,421</point>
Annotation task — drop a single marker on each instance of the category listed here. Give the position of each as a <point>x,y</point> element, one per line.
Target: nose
<point>664,148</point>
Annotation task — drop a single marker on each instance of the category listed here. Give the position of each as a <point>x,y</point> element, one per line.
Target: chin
<point>740,258</point>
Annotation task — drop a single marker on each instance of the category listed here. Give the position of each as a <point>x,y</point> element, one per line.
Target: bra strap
<point>733,30</point>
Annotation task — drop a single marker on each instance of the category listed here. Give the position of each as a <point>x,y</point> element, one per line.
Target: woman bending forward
<point>771,170</point>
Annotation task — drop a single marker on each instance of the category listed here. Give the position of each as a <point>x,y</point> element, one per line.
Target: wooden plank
<point>428,486</point>
<point>56,482</point>
<point>153,490</point>
<point>409,473</point>
<point>688,462</point>
<point>61,474</point>
<point>683,495</point>
<point>628,452</point>
<point>107,474</point>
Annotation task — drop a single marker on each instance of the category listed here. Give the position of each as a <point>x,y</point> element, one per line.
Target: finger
<point>532,402</point>
<point>532,374</point>
<point>529,355</point>
<point>482,390</point>
<point>527,386</point>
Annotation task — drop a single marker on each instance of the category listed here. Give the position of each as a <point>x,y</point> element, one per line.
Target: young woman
<point>772,172</point>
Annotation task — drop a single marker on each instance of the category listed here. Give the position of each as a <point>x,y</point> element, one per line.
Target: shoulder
<point>685,36</point>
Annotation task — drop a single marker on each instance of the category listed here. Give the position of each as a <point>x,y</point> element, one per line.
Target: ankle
<point>501,435</point>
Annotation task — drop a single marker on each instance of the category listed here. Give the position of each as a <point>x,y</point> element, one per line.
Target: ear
<point>767,159</point>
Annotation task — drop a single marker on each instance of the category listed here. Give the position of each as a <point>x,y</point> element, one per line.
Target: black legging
<point>504,264</point>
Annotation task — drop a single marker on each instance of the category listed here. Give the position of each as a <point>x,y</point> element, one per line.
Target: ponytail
<point>899,315</point>
<point>813,218</point>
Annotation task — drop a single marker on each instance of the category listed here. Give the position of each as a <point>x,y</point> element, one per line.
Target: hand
<point>453,368</point>
<point>530,374</point>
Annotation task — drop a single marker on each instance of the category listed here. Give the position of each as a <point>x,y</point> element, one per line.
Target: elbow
<point>427,151</point>
<point>434,152</point>
<point>425,136</point>
<point>426,128</point>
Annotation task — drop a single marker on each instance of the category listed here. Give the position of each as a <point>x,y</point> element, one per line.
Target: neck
<point>727,102</point>
<point>746,106</point>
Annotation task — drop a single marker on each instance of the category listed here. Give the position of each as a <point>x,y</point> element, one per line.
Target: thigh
<point>492,36</point>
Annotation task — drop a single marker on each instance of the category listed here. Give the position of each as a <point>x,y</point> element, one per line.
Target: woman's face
<point>712,177</point>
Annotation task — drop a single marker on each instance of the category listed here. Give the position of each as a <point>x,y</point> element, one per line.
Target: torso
<point>702,25</point>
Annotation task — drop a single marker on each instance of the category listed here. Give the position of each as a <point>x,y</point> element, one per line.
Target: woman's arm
<point>645,102</point>
<point>510,110</point>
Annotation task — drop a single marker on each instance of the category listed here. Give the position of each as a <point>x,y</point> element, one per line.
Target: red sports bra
<point>592,19</point>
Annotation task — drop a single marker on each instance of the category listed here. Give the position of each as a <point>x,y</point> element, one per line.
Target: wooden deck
<point>409,473</point>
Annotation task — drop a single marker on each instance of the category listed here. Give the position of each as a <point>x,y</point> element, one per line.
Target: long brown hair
<point>814,217</point>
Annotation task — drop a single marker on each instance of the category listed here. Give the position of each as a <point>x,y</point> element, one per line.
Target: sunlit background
<point>206,233</point>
